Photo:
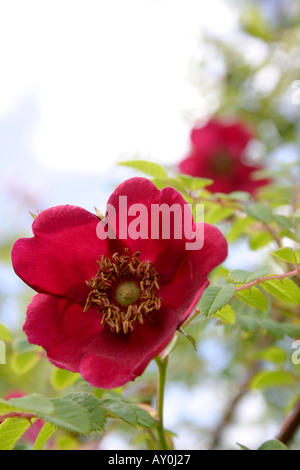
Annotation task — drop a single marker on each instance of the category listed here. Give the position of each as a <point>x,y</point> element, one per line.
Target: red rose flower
<point>107,307</point>
<point>217,151</point>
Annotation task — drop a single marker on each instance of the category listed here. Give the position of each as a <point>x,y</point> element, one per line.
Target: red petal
<point>62,328</point>
<point>62,254</point>
<point>185,289</point>
<point>112,360</point>
<point>165,254</point>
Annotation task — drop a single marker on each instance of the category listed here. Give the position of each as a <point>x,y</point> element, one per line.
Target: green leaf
<point>242,447</point>
<point>273,354</point>
<point>267,378</point>
<point>34,403</point>
<point>259,240</point>
<point>218,213</point>
<point>23,362</point>
<point>283,289</point>
<point>69,415</point>
<point>44,435</point>
<point>238,228</point>
<point>61,378</point>
<point>260,212</point>
<point>120,409</point>
<point>226,314</point>
<point>253,297</point>
<point>193,183</point>
<point>59,412</point>
<point>11,430</point>
<point>291,329</point>
<point>273,444</point>
<point>241,276</point>
<point>93,406</point>
<point>144,419</point>
<point>286,254</point>
<point>283,221</point>
<point>249,323</point>
<point>149,168</point>
<point>214,298</point>
<point>5,334</point>
<point>239,195</point>
<point>273,327</point>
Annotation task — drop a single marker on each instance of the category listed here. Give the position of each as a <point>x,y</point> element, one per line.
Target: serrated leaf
<point>44,435</point>
<point>121,410</point>
<point>61,378</point>
<point>226,314</point>
<point>149,168</point>
<point>34,403</point>
<point>69,415</point>
<point>260,212</point>
<point>11,430</point>
<point>273,444</point>
<point>266,379</point>
<point>286,254</point>
<point>93,406</point>
<point>214,298</point>
<point>241,276</point>
<point>283,289</point>
<point>144,419</point>
<point>260,273</point>
<point>253,297</point>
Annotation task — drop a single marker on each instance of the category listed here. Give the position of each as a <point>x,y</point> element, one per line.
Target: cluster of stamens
<point>124,290</point>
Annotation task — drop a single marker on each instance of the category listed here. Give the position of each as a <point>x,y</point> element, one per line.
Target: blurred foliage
<point>244,342</point>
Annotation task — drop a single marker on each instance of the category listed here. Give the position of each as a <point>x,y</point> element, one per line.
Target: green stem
<point>162,372</point>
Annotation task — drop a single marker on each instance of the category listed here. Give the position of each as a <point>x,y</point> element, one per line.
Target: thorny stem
<point>296,272</point>
<point>162,372</point>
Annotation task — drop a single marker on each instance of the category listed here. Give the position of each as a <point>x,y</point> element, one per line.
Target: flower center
<point>127,293</point>
<point>222,164</point>
<point>124,290</point>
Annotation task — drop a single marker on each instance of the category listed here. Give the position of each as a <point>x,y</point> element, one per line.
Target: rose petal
<point>164,253</point>
<point>63,253</point>
<point>62,328</point>
<point>186,287</point>
<point>112,360</point>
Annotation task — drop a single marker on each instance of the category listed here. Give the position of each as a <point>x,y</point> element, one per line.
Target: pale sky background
<point>105,78</point>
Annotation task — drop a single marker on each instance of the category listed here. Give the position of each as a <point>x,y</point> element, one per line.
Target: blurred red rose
<point>217,153</point>
<point>107,307</point>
